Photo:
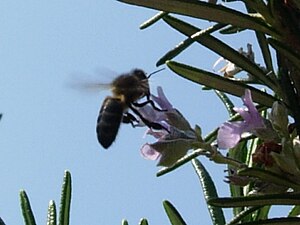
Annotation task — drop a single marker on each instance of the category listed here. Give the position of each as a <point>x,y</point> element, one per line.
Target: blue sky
<point>48,127</point>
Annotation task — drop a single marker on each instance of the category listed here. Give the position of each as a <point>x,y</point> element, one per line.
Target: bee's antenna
<point>155,72</point>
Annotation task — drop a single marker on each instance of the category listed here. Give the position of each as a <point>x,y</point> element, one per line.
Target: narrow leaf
<point>231,30</point>
<point>259,7</point>
<point>65,201</point>
<point>239,153</point>
<point>222,49</point>
<point>1,221</point>
<point>186,43</point>
<point>243,214</point>
<point>209,191</point>
<point>270,177</point>
<point>295,211</point>
<point>262,214</point>
<point>263,43</point>
<point>220,83</point>
<point>212,136</point>
<point>181,162</point>
<point>226,101</point>
<point>143,222</point>
<point>26,209</point>
<point>174,216</point>
<point>51,217</point>
<point>152,20</point>
<point>286,51</point>
<point>257,200</point>
<point>206,11</point>
<point>275,221</point>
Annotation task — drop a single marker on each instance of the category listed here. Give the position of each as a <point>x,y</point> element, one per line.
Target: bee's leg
<point>153,125</point>
<point>149,101</point>
<point>129,118</point>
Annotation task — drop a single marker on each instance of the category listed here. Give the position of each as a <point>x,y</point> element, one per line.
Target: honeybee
<point>127,89</point>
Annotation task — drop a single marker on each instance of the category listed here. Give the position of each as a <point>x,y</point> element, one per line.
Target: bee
<point>127,89</point>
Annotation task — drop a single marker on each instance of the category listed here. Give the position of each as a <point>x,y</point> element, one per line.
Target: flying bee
<point>127,89</point>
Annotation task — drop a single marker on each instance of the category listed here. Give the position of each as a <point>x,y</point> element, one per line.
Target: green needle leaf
<point>1,221</point>
<point>220,83</point>
<point>258,200</point>
<point>263,44</point>
<point>181,161</point>
<point>268,176</point>
<point>209,191</point>
<point>174,216</point>
<point>65,202</point>
<point>287,51</point>
<point>295,211</point>
<point>186,43</point>
<point>231,30</point>
<point>243,214</point>
<point>275,221</point>
<point>227,102</point>
<point>51,217</point>
<point>143,222</point>
<point>259,7</point>
<point>124,222</point>
<point>202,10</point>
<point>152,20</point>
<point>222,49</point>
<point>26,209</point>
<point>262,214</point>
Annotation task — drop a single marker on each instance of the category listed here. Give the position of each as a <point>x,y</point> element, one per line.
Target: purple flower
<point>169,147</point>
<point>173,142</point>
<point>229,133</point>
<point>154,115</point>
<point>161,99</point>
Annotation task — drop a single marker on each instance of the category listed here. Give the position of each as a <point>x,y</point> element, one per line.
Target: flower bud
<point>279,118</point>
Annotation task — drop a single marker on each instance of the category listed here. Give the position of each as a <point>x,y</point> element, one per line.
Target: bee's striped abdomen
<point>109,120</point>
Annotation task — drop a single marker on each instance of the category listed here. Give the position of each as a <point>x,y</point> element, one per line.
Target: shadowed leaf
<point>26,209</point>
<point>220,83</point>
<point>257,200</point>
<point>209,191</point>
<point>152,20</point>
<point>174,216</point>
<point>65,201</point>
<point>206,11</point>
<point>51,216</point>
<point>222,49</point>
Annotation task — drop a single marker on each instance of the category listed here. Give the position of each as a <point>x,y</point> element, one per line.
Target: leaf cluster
<point>276,26</point>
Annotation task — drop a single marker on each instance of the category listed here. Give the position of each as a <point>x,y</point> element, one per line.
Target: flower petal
<point>229,134</point>
<point>247,99</point>
<point>161,99</point>
<point>149,153</point>
<point>251,115</point>
<point>171,150</point>
<point>161,134</point>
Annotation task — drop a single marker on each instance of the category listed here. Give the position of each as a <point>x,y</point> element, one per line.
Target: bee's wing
<point>88,86</point>
<point>90,82</point>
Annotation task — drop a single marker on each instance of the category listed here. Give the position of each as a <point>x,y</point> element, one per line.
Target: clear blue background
<point>48,127</point>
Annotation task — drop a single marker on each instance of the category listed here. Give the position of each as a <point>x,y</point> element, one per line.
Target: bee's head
<point>140,74</point>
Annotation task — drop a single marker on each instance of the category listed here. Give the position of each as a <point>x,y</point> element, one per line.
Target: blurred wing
<point>95,82</point>
<point>88,86</point>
